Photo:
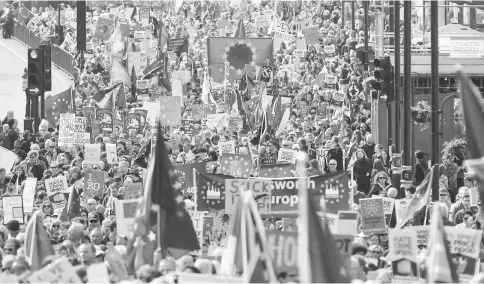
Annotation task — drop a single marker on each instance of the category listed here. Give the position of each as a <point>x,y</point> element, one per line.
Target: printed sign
<point>347,223</point>
<point>142,86</point>
<point>104,28</point>
<point>13,209</point>
<point>66,128</point>
<point>403,253</point>
<point>227,147</point>
<point>372,216</point>
<point>234,187</point>
<point>132,121</point>
<point>466,48</point>
<point>400,206</point>
<point>56,185</point>
<point>464,245</point>
<point>133,190</point>
<point>28,194</point>
<point>111,153</point>
<point>312,35</point>
<point>92,153</point>
<point>93,183</point>
<point>181,75</point>
<point>388,204</point>
<point>423,233</point>
<point>283,247</point>
<point>286,155</point>
<point>125,216</point>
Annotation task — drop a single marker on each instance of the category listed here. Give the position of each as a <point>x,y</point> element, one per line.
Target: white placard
<point>227,147</point>
<point>92,154</point>
<point>28,194</point>
<point>286,155</point>
<point>181,75</point>
<point>56,185</point>
<point>13,209</point>
<point>400,206</point>
<point>466,48</point>
<point>111,153</point>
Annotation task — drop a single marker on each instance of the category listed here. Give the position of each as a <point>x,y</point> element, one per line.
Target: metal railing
<point>60,57</point>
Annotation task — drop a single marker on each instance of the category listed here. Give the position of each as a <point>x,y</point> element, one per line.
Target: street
<point>13,60</point>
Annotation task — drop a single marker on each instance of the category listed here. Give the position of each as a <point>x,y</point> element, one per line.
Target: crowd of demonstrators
<point>335,141</point>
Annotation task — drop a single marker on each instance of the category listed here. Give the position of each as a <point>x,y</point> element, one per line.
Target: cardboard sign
<point>283,247</point>
<point>286,155</point>
<point>234,187</point>
<point>403,253</point>
<point>13,209</point>
<point>56,185</point>
<point>93,183</point>
<point>92,154</point>
<point>227,147</point>
<point>66,128</point>
<point>125,216</point>
<point>329,49</point>
<point>28,194</point>
<point>60,271</point>
<point>372,216</point>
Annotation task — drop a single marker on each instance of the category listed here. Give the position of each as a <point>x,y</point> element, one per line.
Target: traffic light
<point>47,67</point>
<point>383,78</point>
<point>35,71</point>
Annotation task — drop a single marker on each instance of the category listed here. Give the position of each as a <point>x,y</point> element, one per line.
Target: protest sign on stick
<point>372,216</point>
<point>13,209</point>
<point>403,254</point>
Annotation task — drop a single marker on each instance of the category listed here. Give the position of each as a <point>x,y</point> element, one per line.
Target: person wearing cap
<point>93,219</point>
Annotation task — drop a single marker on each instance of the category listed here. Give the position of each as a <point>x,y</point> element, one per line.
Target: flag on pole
<point>440,266</point>
<point>419,199</point>
<point>207,97</point>
<point>473,110</point>
<point>37,243</point>
<point>55,105</point>
<point>73,206</point>
<point>319,259</point>
<point>104,97</point>
<point>164,37</point>
<point>119,73</point>
<point>246,248</point>
<point>240,32</point>
<point>161,217</point>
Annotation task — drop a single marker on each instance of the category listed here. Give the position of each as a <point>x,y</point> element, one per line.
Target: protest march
<point>230,142</point>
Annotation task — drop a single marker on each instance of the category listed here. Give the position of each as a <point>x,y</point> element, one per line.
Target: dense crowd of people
<point>338,139</point>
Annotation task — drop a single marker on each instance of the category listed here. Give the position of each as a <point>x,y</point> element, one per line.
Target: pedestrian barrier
<point>60,57</point>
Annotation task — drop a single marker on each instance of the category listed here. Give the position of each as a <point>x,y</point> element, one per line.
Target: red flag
<point>37,243</point>
<point>419,199</point>
<point>440,266</point>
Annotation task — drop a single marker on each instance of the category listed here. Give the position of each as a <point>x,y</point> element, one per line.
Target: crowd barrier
<point>60,57</point>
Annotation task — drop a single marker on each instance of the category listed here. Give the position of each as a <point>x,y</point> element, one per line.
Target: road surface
<point>13,60</point>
